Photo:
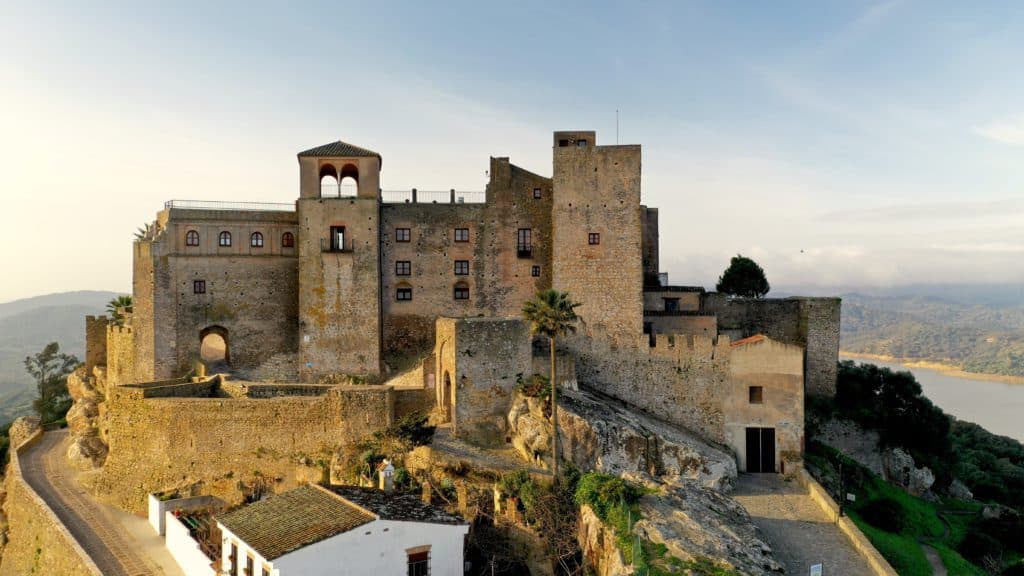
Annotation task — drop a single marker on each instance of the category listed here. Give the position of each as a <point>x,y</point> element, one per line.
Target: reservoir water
<point>996,406</point>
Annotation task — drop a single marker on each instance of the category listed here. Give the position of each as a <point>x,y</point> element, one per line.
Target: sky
<point>837,143</point>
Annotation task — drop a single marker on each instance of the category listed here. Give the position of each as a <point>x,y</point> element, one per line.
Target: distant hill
<point>977,328</point>
<point>29,324</point>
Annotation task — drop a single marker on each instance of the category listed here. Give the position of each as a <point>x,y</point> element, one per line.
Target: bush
<point>886,514</point>
<point>603,493</point>
<point>536,386</point>
<point>413,429</point>
<point>977,545</point>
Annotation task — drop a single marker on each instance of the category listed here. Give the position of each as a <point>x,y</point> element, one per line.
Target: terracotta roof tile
<point>339,148</point>
<point>294,519</point>
<point>395,506</point>
<point>751,340</point>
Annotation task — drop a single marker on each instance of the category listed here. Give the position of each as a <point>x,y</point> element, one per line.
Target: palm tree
<point>552,313</point>
<point>143,231</point>
<point>115,304</point>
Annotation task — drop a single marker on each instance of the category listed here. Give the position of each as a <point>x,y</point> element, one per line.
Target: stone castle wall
<point>812,323</point>
<point>681,379</point>
<point>39,542</point>
<point>220,446</point>
<point>120,353</point>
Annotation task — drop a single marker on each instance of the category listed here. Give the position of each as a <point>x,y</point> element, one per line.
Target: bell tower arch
<point>339,261</point>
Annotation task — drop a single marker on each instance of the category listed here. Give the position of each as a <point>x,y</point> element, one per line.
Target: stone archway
<point>214,347</point>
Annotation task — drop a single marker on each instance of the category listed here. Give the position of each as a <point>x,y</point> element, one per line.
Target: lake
<point>996,406</point>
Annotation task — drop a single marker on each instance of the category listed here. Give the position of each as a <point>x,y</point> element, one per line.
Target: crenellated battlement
<point>687,346</point>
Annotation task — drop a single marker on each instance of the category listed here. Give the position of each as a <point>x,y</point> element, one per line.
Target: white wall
<point>380,553</point>
<point>158,508</point>
<point>185,549</point>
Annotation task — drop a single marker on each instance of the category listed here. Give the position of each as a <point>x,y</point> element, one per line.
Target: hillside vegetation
<point>26,326</point>
<point>980,334</point>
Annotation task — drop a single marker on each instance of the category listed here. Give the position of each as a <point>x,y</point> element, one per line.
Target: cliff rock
<point>22,429</point>
<point>900,469</point>
<point>599,547</point>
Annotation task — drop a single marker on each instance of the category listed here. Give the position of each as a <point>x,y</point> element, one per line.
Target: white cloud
<point>1006,131</point>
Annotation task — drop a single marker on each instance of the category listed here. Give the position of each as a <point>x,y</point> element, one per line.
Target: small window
<point>757,394</point>
<point>256,240</point>
<point>461,267</point>
<point>419,564</point>
<point>224,239</point>
<point>192,238</point>
<point>287,240</point>
<point>402,235</point>
<point>461,291</point>
<point>524,243</point>
<point>403,294</point>
<point>671,304</point>
<point>462,234</point>
<point>581,143</point>
<point>535,271</point>
<point>199,286</point>
<point>594,238</point>
<point>536,193</point>
<point>563,143</point>
<point>337,238</point>
<point>403,268</point>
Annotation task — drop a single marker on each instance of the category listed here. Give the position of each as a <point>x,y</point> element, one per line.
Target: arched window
<point>461,291</point>
<point>328,181</point>
<point>191,238</point>
<point>287,240</point>
<point>256,240</point>
<point>349,183</point>
<point>224,239</point>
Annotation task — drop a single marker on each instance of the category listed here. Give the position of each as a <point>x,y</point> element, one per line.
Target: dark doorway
<point>760,450</point>
<point>446,397</point>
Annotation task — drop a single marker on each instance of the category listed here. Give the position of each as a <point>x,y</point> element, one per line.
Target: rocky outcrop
<point>531,429</point>
<point>694,522</point>
<point>854,442</point>
<point>22,429</point>
<point>86,451</point>
<point>600,550</point>
<point>598,433</point>
<point>901,470</point>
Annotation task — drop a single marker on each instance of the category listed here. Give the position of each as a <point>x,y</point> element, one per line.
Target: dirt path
<point>104,539</point>
<point>938,568</point>
<point>798,530</point>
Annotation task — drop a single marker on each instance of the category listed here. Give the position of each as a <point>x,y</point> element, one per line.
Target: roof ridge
<point>344,500</point>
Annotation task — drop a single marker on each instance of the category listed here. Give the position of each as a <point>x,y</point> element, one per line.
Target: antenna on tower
<point>616,126</point>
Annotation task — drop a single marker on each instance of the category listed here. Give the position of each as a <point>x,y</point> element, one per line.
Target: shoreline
<point>946,369</point>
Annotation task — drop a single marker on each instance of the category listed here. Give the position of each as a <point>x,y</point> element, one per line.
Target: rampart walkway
<point>798,530</point>
<point>113,551</point>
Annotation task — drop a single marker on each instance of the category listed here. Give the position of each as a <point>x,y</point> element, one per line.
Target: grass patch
<point>957,564</point>
<point>903,552</point>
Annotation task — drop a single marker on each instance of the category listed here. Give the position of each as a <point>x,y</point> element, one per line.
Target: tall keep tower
<point>597,235</point>
<point>339,261</point>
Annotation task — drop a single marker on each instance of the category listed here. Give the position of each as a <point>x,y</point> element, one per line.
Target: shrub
<point>886,514</point>
<point>977,545</point>
<point>603,492</point>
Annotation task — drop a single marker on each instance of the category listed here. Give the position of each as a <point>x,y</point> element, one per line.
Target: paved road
<point>113,551</point>
<point>796,527</point>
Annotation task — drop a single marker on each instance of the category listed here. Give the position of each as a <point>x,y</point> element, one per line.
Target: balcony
<point>415,196</point>
<point>229,206</point>
<point>524,251</point>
<point>346,246</point>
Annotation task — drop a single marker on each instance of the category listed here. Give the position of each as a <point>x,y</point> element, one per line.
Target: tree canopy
<point>744,278</point>
<point>551,313</point>
<point>115,305</point>
<point>50,369</point>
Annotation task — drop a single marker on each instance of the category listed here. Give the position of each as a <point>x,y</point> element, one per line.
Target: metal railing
<point>217,205</point>
<point>415,196</point>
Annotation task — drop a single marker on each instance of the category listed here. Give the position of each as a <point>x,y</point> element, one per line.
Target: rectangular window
<point>234,556</point>
<point>403,294</point>
<point>462,234</point>
<point>524,243</point>
<point>563,143</point>
<point>461,291</point>
<point>249,569</point>
<point>462,267</point>
<point>535,271</point>
<point>199,286</point>
<point>671,304</point>
<point>419,564</point>
<point>536,193</point>
<point>266,570</point>
<point>337,238</point>
<point>403,268</point>
<point>402,235</point>
<point>594,238</point>
<point>757,394</point>
<point>582,143</point>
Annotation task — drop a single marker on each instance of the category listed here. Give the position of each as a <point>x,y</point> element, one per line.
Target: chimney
<point>387,472</point>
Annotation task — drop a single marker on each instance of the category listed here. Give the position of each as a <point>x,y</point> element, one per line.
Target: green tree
<point>50,369</point>
<point>743,277</point>
<point>123,301</point>
<point>552,313</point>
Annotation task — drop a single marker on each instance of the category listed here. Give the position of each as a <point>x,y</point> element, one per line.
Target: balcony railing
<point>524,252</point>
<point>415,196</point>
<point>327,245</point>
<point>216,205</point>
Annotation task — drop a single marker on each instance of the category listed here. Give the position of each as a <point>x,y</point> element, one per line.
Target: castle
<point>355,306</point>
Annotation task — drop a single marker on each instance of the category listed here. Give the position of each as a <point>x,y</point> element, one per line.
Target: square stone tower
<point>339,261</point>
<point>597,232</point>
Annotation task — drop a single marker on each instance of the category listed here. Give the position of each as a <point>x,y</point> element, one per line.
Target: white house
<point>316,530</point>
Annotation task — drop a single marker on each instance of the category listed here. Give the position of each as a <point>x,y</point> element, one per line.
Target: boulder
<point>531,431</point>
<point>22,429</point>
<point>599,546</point>
<point>82,416</point>
<point>901,470</point>
<point>694,522</point>
<point>87,452</point>
<point>959,490</point>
